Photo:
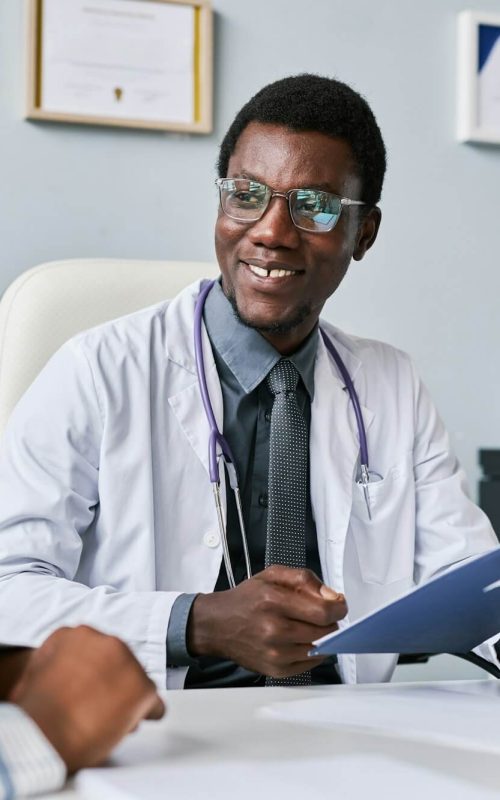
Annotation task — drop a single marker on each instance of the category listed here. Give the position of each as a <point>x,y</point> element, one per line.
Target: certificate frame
<point>202,90</point>
<point>478,71</point>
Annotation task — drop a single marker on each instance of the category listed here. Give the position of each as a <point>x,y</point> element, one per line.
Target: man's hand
<point>85,691</point>
<point>267,623</point>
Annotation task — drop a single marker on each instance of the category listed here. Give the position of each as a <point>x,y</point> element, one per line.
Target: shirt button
<point>211,539</point>
<point>263,500</point>
<point>267,415</point>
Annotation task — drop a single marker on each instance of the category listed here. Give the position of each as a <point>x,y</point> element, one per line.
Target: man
<point>107,510</point>
<point>77,696</point>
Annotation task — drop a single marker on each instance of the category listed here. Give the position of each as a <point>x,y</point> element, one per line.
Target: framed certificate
<point>128,63</point>
<point>478,77</point>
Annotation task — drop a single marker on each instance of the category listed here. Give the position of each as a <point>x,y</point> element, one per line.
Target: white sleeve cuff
<point>28,762</point>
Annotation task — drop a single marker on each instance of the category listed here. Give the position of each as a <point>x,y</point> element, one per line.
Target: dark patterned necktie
<point>287,487</point>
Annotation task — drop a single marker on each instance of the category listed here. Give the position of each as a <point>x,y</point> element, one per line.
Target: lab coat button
<point>211,539</point>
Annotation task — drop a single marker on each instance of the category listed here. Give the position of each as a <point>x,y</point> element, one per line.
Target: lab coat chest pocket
<point>385,544</point>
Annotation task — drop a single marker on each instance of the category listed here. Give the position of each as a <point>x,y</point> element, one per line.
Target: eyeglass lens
<point>310,209</point>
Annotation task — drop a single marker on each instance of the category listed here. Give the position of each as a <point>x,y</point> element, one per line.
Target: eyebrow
<point>321,187</point>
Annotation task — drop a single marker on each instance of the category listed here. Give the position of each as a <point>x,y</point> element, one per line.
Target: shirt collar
<point>248,355</point>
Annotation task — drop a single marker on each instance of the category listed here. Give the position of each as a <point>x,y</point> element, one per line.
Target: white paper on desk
<point>119,58</point>
<point>456,717</point>
<point>342,777</point>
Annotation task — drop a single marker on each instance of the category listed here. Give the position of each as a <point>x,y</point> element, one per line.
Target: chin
<point>266,324</point>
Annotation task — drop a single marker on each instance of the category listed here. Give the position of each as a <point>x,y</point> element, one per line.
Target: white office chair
<point>48,304</point>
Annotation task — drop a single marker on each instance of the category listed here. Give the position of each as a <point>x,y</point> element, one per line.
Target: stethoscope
<point>216,438</point>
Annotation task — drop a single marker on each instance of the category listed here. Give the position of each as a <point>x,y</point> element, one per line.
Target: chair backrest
<point>48,304</point>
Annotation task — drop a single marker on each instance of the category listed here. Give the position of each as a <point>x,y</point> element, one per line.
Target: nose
<point>275,228</point>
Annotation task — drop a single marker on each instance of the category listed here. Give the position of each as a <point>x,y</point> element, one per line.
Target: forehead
<point>287,159</point>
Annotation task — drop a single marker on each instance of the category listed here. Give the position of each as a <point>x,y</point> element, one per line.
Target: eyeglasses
<point>311,210</point>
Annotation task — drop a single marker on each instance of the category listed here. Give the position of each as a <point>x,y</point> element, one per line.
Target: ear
<point>367,232</point>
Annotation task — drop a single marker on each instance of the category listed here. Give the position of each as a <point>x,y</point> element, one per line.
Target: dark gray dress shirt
<point>243,359</point>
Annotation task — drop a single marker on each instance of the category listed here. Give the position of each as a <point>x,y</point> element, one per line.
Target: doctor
<point>107,512</point>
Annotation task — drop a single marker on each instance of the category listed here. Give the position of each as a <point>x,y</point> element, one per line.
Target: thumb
<point>330,594</point>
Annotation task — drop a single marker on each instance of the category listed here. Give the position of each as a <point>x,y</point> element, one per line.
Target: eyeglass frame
<point>344,202</point>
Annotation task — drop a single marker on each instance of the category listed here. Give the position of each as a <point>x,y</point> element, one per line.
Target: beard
<point>277,328</point>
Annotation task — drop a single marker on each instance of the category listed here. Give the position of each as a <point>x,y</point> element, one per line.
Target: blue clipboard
<point>451,613</point>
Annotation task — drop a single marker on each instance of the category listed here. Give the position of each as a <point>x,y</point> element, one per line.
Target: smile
<point>273,273</point>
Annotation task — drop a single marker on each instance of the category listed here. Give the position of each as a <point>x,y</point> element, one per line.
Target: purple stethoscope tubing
<point>216,436</point>
<point>353,395</point>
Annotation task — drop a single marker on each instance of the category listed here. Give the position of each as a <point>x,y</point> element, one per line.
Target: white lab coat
<point>107,513</point>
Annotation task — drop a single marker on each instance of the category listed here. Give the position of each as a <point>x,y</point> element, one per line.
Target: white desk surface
<point>221,727</point>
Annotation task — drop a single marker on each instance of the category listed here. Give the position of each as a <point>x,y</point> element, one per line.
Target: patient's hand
<point>85,691</point>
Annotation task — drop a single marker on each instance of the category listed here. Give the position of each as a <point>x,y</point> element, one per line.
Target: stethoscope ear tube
<point>353,395</point>
<point>363,445</point>
<point>216,437</point>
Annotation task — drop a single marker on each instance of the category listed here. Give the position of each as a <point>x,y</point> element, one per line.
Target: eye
<point>315,210</point>
<point>246,198</point>
<point>247,194</point>
<point>307,200</point>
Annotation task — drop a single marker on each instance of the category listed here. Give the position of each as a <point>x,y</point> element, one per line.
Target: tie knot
<point>283,377</point>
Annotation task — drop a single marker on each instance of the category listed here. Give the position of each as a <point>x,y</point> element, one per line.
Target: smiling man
<point>107,511</point>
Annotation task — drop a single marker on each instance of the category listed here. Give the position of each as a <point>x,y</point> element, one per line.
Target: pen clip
<point>365,480</point>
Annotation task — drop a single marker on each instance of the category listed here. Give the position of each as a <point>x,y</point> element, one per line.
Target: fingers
<point>285,652</point>
<point>145,703</point>
<point>305,606</point>
<point>301,633</point>
<point>304,582</point>
<point>157,710</point>
<point>290,660</point>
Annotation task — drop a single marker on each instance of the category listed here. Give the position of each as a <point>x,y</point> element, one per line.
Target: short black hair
<point>315,103</point>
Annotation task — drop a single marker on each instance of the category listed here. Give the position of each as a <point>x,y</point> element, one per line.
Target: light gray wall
<point>430,286</point>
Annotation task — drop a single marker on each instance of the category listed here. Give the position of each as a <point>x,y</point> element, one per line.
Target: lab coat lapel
<point>186,403</point>
<point>334,450</point>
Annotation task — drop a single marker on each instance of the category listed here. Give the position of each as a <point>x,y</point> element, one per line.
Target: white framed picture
<point>478,77</point>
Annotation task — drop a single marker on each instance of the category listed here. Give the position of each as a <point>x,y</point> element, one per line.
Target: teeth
<point>266,273</point>
<point>263,273</point>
